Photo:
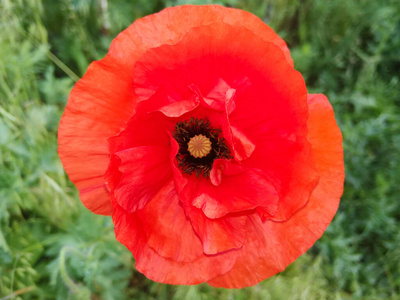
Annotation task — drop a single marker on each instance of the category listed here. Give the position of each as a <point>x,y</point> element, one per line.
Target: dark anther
<point>193,127</point>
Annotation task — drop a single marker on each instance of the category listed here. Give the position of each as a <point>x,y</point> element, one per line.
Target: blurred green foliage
<point>53,248</point>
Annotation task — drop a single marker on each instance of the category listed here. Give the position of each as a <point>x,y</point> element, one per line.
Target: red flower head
<point>197,135</point>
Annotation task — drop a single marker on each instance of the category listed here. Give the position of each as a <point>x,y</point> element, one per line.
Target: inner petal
<point>137,174</point>
<point>239,190</point>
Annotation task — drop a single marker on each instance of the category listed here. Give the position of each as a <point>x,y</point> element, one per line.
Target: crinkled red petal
<point>270,246</point>
<point>242,145</point>
<point>272,114</point>
<point>218,235</point>
<point>143,130</point>
<point>168,27</point>
<point>97,107</point>
<point>236,190</point>
<point>138,175</point>
<point>213,59</point>
<point>166,255</point>
<point>167,228</point>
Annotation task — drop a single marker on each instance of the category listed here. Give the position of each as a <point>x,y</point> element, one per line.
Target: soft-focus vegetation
<point>51,247</point>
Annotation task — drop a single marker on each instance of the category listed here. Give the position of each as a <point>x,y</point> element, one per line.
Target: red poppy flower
<point>197,135</point>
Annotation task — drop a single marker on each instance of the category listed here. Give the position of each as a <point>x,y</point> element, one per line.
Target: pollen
<point>199,146</point>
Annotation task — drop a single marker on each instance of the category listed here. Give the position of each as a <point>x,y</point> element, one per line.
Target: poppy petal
<point>237,190</point>
<point>242,145</point>
<point>270,246</point>
<point>168,230</point>
<point>217,235</point>
<point>142,130</point>
<point>217,70</point>
<point>170,25</point>
<point>97,108</point>
<point>147,244</point>
<point>290,166</point>
<point>142,172</point>
<point>221,97</point>
<point>159,98</point>
<point>275,121</point>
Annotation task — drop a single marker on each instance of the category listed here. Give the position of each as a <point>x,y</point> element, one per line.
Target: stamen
<point>199,145</point>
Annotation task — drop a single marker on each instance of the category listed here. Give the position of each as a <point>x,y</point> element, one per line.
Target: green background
<point>51,247</point>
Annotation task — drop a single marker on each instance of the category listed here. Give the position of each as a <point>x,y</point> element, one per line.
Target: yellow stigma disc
<point>199,146</point>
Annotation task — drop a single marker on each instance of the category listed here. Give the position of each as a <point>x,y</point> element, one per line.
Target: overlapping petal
<point>235,190</point>
<point>218,235</point>
<point>169,26</point>
<point>218,57</point>
<point>285,241</point>
<point>173,257</point>
<point>96,110</point>
<point>137,174</point>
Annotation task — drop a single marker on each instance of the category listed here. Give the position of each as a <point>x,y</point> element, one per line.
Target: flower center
<point>199,145</point>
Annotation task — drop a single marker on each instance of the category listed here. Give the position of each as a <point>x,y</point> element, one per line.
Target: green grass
<point>51,247</point>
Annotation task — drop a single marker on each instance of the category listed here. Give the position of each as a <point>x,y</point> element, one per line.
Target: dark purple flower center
<point>196,155</point>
